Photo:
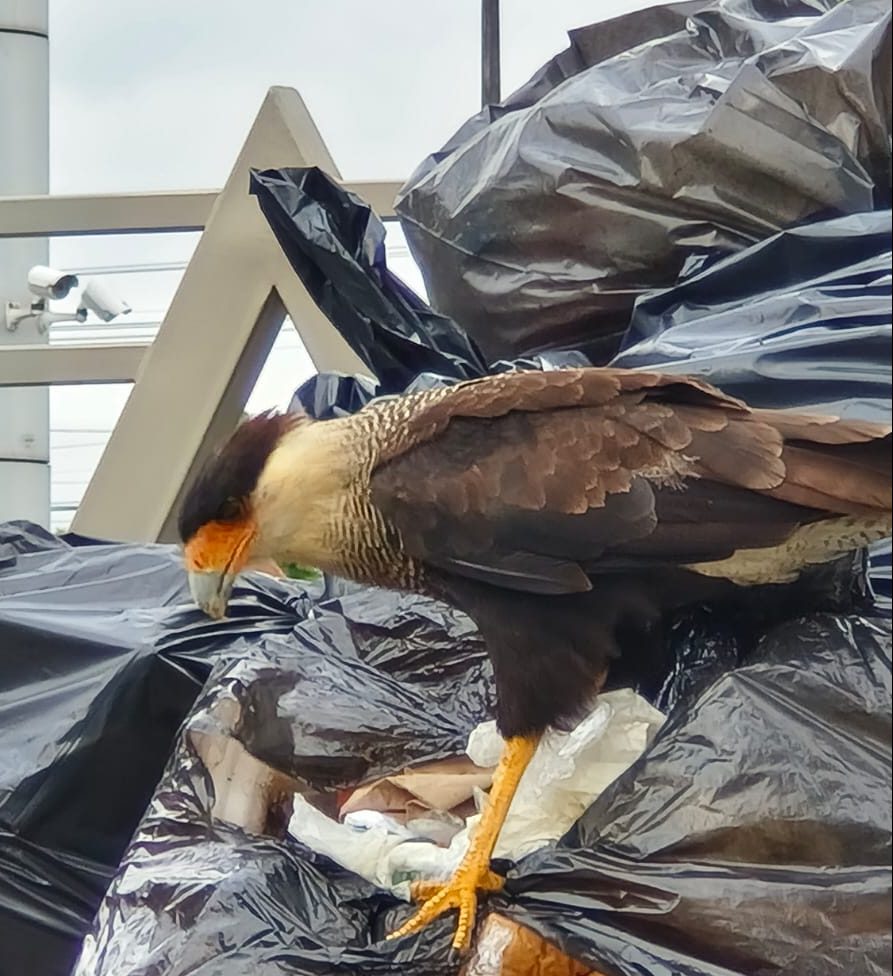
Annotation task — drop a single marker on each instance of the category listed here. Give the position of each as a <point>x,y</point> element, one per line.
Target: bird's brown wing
<point>418,418</point>
<point>535,481</point>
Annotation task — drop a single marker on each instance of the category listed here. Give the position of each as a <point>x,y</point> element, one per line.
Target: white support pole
<point>24,169</point>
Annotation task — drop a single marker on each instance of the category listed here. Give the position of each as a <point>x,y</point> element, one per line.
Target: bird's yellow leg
<point>474,874</point>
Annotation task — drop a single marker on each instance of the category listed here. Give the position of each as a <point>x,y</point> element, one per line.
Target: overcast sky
<point>160,95</point>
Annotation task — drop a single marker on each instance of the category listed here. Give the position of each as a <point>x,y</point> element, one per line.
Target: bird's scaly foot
<point>474,874</point>
<point>461,891</point>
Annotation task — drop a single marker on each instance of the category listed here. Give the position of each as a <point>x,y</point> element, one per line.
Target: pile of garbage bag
<point>701,187</point>
<point>748,830</point>
<point>660,137</point>
<point>317,687</point>
<point>102,656</point>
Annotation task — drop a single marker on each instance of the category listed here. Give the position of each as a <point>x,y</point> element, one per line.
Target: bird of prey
<point>564,512</point>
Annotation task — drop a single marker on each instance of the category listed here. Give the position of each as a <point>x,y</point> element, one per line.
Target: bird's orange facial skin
<point>221,547</point>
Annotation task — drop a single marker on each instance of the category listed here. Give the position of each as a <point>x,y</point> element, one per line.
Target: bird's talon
<point>460,892</point>
<point>474,874</point>
<point>422,891</point>
<point>491,881</point>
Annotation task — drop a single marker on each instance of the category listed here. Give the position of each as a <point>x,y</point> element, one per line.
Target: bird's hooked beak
<point>211,591</point>
<point>214,557</point>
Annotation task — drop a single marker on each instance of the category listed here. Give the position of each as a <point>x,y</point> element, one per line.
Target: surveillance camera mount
<point>43,318</point>
<point>46,319</point>
<point>15,313</point>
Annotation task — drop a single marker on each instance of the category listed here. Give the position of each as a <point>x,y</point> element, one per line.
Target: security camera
<point>49,283</point>
<point>98,298</point>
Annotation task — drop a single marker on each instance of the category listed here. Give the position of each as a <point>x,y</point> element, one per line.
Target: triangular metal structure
<point>196,377</point>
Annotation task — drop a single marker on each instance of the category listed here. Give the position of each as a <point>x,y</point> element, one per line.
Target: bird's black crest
<point>221,490</point>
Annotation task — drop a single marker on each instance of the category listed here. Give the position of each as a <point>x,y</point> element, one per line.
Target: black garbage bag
<point>678,131</point>
<point>753,837</point>
<point>370,681</point>
<point>335,243</point>
<point>800,320</point>
<point>101,657</point>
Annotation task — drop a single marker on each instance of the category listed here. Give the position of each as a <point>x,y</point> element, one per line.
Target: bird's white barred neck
<point>312,505</point>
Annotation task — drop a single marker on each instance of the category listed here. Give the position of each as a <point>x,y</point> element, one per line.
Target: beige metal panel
<point>132,213</point>
<point>213,342</point>
<point>220,423</point>
<point>44,365</point>
<point>379,195</point>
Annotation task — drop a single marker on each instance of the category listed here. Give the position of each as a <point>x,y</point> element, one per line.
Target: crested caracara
<point>564,512</point>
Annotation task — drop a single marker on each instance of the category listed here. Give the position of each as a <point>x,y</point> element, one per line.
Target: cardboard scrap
<point>447,785</point>
<point>504,948</point>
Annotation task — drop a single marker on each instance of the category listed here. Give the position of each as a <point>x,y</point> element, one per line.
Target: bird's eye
<point>230,509</point>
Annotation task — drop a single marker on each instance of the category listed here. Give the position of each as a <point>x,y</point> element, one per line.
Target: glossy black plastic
<point>658,137</point>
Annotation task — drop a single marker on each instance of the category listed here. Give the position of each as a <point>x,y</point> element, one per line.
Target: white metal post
<point>24,169</point>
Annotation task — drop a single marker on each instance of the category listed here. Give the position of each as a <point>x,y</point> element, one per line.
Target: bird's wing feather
<point>534,481</point>
<point>421,416</point>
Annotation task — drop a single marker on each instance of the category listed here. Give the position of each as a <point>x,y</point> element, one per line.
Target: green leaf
<point>294,571</point>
